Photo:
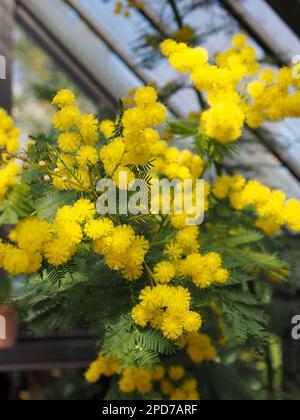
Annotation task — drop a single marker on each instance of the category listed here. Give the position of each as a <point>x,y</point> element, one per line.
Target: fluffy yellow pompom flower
<point>176,372</point>
<point>64,215</point>
<point>96,229</point>
<point>187,392</point>
<point>256,89</point>
<point>134,120</point>
<point>94,372</point>
<point>156,114</point>
<point>67,118</point>
<point>103,366</point>
<point>15,261</point>
<point>64,98</point>
<point>292,214</point>
<point>138,379</point>
<point>35,262</point>
<point>199,347</point>
<point>267,76</point>
<point>145,96</point>
<point>173,251</point>
<point>68,142</point>
<point>59,251</point>
<point>187,238</point>
<point>171,328</point>
<point>31,234</point>
<point>158,373</point>
<point>169,47</point>
<point>133,267</point>
<point>239,41</point>
<point>192,322</point>
<point>8,178</point>
<point>112,155</point>
<point>121,239</point>
<point>84,210</point>
<point>107,128</point>
<point>224,122</point>
<point>70,232</point>
<point>9,134</point>
<point>3,248</point>
<point>123,178</point>
<point>164,272</point>
<point>87,155</point>
<point>88,129</point>
<point>166,387</point>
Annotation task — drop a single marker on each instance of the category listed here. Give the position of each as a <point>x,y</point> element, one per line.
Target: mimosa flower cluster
<point>34,239</point>
<point>233,100</point>
<point>9,134</point>
<point>9,144</point>
<point>129,141</point>
<point>172,382</point>
<point>272,207</point>
<point>82,153</point>
<point>103,366</point>
<point>113,243</point>
<point>167,309</point>
<point>177,387</point>
<point>185,260</point>
<point>164,259</point>
<point>58,242</point>
<point>199,347</point>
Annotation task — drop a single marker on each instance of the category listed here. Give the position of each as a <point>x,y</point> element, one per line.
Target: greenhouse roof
<point>101,51</point>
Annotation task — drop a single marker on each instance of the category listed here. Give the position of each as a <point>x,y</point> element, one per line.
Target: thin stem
<point>165,241</point>
<point>151,275</point>
<point>202,101</point>
<point>74,184</point>
<point>176,13</point>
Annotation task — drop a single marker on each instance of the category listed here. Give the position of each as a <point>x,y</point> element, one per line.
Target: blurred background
<point>102,49</point>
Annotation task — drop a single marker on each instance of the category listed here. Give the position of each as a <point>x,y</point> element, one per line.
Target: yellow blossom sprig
<point>172,382</point>
<point>9,145</point>
<point>273,209</point>
<point>270,95</point>
<point>167,309</point>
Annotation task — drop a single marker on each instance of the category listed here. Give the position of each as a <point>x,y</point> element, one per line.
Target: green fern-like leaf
<point>57,275</point>
<point>154,341</point>
<point>47,206</point>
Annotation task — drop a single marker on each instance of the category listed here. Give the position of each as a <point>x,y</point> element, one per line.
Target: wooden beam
<point>289,11</point>
<point>72,350</point>
<point>77,70</point>
<point>93,25</point>
<point>7,14</point>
